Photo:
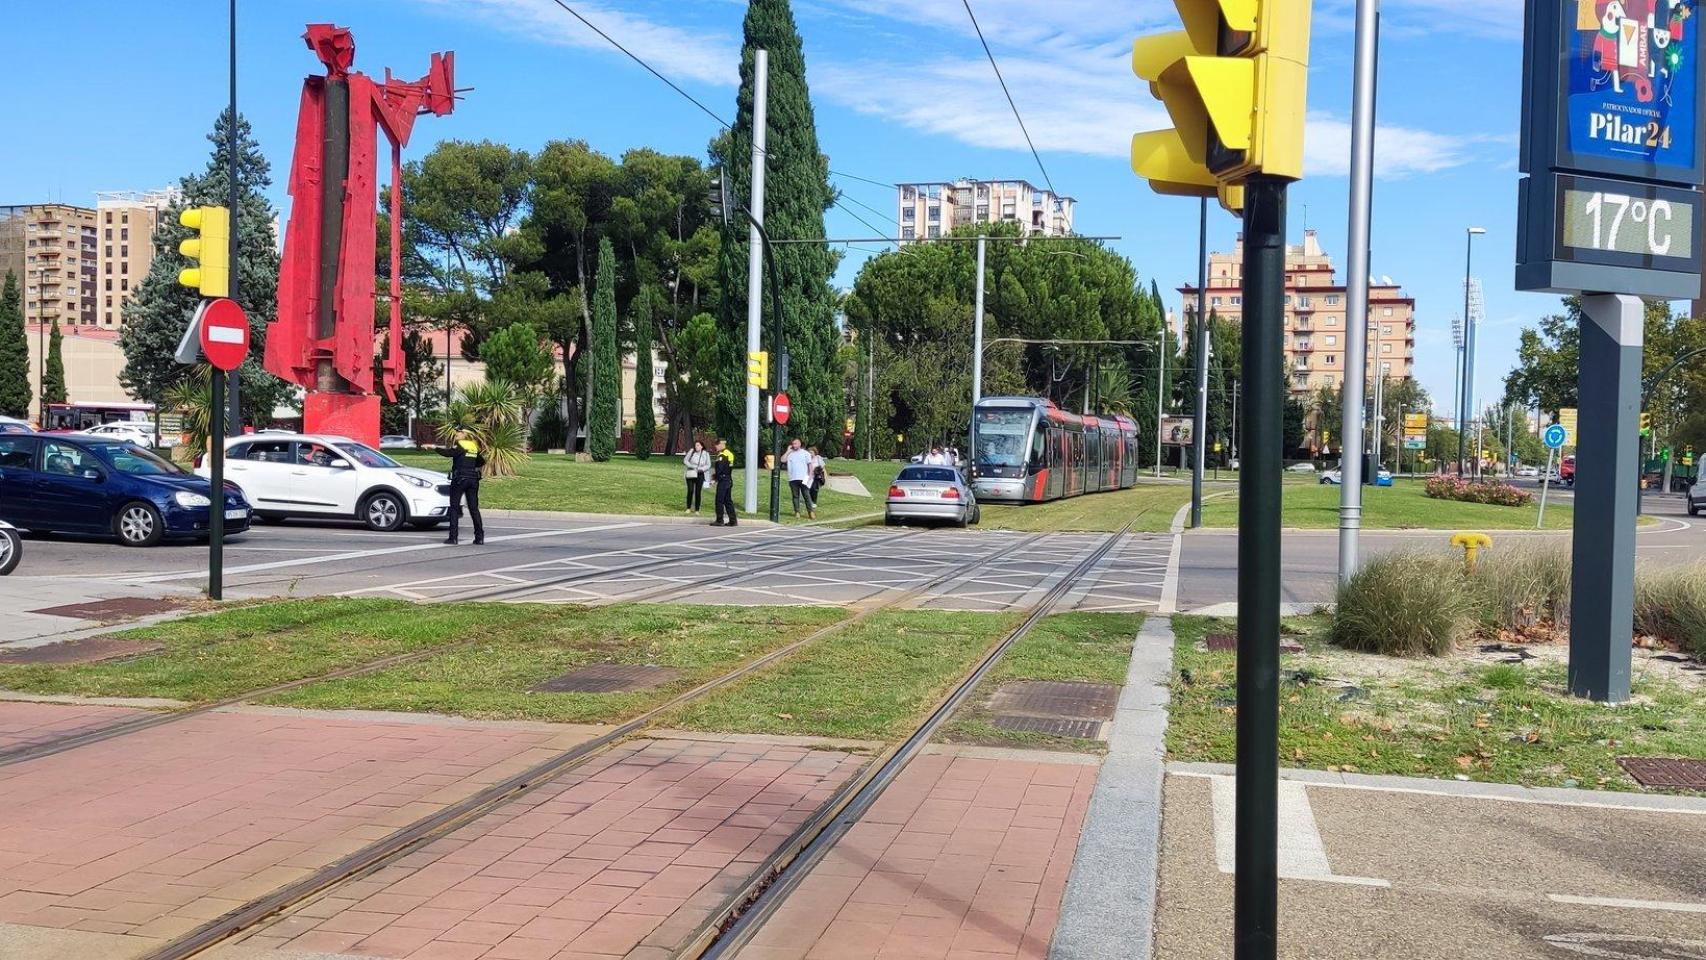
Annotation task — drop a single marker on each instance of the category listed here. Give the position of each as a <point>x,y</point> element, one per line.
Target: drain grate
<point>1055,726</point>
<point>1666,773</point>
<point>118,608</point>
<point>609,678</point>
<point>1052,698</point>
<point>90,650</point>
<point>1228,643</point>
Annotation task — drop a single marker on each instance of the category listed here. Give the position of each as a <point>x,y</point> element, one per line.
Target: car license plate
<point>236,514</point>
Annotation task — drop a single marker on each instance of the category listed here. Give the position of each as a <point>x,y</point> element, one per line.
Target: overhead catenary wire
<point>1003,81</point>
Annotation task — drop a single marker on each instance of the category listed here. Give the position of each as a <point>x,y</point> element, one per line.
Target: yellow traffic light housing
<point>1233,82</point>
<point>211,248</point>
<point>1646,423</point>
<point>757,368</point>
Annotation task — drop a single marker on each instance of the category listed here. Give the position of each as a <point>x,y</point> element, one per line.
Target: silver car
<point>931,493</point>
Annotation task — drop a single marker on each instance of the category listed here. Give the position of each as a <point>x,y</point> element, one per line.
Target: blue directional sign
<point>1555,436</point>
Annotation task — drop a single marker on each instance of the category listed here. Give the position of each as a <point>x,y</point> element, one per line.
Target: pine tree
<point>797,193</point>
<point>53,387</point>
<point>155,318</point>
<point>14,352</point>
<point>645,418</point>
<point>604,411</point>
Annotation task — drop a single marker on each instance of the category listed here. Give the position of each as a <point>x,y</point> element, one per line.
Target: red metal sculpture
<point>324,339</point>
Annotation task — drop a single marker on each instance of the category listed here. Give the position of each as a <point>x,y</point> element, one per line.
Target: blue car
<point>74,483</point>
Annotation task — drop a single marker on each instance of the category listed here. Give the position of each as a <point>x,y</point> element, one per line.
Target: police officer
<point>723,473</point>
<point>466,462</point>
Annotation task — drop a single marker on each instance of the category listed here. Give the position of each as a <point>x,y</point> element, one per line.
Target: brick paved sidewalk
<point>626,856</point>
<point>148,835</point>
<point>964,858</point>
<point>24,723</point>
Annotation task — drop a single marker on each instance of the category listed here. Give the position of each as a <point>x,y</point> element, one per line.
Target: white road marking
<point>1302,855</point>
<point>363,554</point>
<point>1471,791</point>
<point>1669,906</point>
<point>1582,943</point>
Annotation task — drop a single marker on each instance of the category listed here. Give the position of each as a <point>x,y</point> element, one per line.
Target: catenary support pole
<point>976,353</point>
<point>1602,589</point>
<point>1256,882</point>
<point>1356,284</point>
<point>234,404</point>
<point>1466,398</point>
<point>216,493</point>
<point>755,264</point>
<point>1199,433</point>
<point>1160,393</point>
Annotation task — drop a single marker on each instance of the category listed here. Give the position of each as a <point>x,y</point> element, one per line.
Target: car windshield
<point>366,456</point>
<point>928,474</point>
<point>136,461</point>
<point>1002,435</point>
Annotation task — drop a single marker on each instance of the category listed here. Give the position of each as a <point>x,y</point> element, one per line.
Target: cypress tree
<point>604,411</point>
<point>797,193</point>
<point>53,390</point>
<point>14,352</point>
<point>645,418</point>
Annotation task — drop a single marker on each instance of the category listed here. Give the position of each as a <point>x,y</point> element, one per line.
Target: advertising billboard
<point>1178,431</point>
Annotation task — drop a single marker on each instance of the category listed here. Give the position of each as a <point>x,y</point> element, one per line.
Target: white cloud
<point>678,53</point>
<point>1398,151</point>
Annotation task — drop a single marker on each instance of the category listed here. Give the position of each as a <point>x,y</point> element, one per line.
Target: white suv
<point>130,431</point>
<point>305,475</point>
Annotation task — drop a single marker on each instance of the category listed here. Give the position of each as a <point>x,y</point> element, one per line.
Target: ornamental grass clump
<point>1523,588</point>
<point>1670,604</point>
<point>1405,605</point>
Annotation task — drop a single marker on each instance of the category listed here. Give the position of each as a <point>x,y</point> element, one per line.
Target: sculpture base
<point>355,416</point>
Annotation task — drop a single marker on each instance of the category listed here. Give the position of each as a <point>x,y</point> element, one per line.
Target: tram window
<point>1039,446</point>
<point>1001,435</point>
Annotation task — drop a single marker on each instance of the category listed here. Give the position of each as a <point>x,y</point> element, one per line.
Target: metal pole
<point>234,413</point>
<point>870,394</point>
<point>1234,450</point>
<point>216,493</point>
<point>1545,481</point>
<point>1466,401</point>
<point>754,264</point>
<point>976,355</point>
<point>1256,880</point>
<point>1200,432</point>
<point>1356,284</point>
<point>1160,392</point>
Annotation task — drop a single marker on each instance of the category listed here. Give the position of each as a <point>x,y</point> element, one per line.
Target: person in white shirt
<point>799,463</point>
<point>936,458</point>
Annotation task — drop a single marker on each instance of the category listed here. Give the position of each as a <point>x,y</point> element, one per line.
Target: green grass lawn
<point>1085,647</point>
<point>654,487</point>
<point>1400,506</point>
<point>872,681</point>
<point>1151,505</point>
<point>1441,718</point>
<point>493,679</point>
<point>224,654</point>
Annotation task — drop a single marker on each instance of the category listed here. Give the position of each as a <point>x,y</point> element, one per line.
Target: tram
<point>1027,450</point>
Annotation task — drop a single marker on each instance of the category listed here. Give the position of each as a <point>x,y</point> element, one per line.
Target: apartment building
<point>930,210</point>
<point>127,222</point>
<point>52,249</point>
<point>1315,334</point>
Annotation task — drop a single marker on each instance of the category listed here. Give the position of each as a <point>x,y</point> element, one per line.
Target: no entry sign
<point>224,333</point>
<point>781,408</point>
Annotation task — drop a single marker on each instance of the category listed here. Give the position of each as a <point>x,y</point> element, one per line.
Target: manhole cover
<point>608,678</point>
<point>118,608</point>
<point>1056,726</point>
<point>90,650</point>
<point>1666,773</point>
<point>1057,699</point>
<point>1228,643</point>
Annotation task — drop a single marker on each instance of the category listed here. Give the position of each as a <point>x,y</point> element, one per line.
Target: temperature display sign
<point>1625,224</point>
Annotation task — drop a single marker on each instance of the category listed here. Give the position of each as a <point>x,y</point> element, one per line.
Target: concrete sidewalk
<point>38,608</point>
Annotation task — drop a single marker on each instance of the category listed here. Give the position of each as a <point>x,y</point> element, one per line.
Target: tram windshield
<point>1002,435</point>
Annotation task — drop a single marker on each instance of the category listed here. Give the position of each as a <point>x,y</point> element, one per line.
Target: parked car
<point>931,493</point>
<point>11,548</point>
<point>1696,498</point>
<point>141,434</point>
<point>10,425</point>
<point>74,483</point>
<point>309,475</point>
<point>1382,478</point>
<point>397,441</point>
<point>1301,468</point>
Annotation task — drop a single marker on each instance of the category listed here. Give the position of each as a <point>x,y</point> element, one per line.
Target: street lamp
<point>1468,398</point>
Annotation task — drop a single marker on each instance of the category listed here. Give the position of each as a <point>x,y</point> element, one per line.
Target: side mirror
<point>340,464</point>
<point>95,474</point>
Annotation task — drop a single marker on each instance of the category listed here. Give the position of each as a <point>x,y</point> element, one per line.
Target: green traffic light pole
<point>1256,881</point>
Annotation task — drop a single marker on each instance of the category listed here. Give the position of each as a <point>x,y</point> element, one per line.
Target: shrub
<point>1670,604</point>
<point>1481,491</point>
<point>1404,605</point>
<point>1520,589</point>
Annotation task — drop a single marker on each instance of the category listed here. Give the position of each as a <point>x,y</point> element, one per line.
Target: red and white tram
<point>1029,450</point>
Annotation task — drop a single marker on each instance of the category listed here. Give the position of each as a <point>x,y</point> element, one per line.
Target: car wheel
<point>889,521</point>
<point>383,511</point>
<point>11,551</point>
<point>977,514</point>
<point>138,524</point>
<point>1693,510</point>
<point>425,524</point>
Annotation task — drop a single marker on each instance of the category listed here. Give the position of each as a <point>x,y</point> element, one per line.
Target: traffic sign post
<point>1555,437</point>
<point>781,408</point>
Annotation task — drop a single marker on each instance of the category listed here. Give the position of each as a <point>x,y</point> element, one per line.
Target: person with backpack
<point>466,464</point>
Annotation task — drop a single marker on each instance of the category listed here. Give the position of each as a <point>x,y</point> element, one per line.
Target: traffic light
<point>211,247</point>
<point>757,368</point>
<point>1646,423</point>
<point>1233,82</point>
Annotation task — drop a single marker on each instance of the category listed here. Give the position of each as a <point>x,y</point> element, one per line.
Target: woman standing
<point>697,466</point>
<point>466,463</point>
<point>819,478</point>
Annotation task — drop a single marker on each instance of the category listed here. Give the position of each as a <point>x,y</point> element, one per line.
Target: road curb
<point>1108,912</point>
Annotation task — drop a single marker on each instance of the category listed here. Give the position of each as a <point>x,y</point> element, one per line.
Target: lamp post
<point>1467,401</point>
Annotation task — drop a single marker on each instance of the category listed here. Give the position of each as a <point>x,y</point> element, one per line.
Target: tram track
<point>394,846</point>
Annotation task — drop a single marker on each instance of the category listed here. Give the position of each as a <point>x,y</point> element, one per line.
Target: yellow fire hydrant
<point>1472,544</point>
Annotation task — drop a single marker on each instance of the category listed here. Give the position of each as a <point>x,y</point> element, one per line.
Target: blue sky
<point>122,97</point>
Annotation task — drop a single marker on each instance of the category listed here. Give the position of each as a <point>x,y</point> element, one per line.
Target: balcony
<point>1304,347</point>
<point>1304,305</point>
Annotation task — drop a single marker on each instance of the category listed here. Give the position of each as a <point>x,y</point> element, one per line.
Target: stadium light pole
<point>1467,400</point>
